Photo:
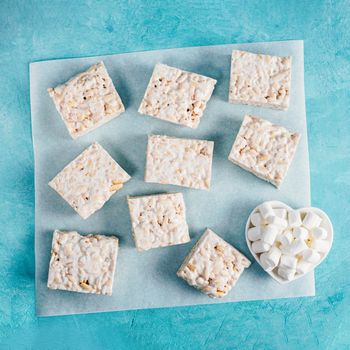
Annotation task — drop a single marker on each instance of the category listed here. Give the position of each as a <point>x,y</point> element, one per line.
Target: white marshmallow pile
<point>287,242</point>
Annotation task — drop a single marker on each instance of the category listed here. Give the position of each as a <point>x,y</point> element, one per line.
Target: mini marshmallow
<point>287,274</point>
<point>265,263</point>
<point>311,256</point>
<point>319,233</point>
<point>301,233</point>
<point>321,246</point>
<point>303,267</point>
<point>285,249</point>
<point>286,237</point>
<point>266,210</point>
<point>294,218</point>
<point>297,246</point>
<point>254,233</point>
<point>269,234</point>
<point>311,220</point>
<point>260,247</point>
<point>288,262</point>
<point>277,221</point>
<point>281,213</point>
<point>256,219</point>
<point>270,259</point>
<point>278,238</point>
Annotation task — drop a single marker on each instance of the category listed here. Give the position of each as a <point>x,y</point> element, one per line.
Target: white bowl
<point>326,224</point>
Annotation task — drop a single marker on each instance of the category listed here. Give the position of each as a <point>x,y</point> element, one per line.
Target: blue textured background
<point>35,30</point>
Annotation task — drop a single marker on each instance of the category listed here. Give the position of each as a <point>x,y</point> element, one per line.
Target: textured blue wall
<point>35,30</point>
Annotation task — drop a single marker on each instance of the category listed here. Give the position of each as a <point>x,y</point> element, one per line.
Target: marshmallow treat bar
<point>176,161</point>
<point>87,101</point>
<point>264,149</point>
<point>260,80</point>
<point>89,180</point>
<point>213,266</point>
<point>158,220</point>
<point>84,264</point>
<point>177,96</point>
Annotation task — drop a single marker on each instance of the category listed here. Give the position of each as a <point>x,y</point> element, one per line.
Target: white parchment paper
<point>148,279</point>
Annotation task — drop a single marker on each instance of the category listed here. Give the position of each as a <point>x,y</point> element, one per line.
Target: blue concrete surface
<point>35,30</point>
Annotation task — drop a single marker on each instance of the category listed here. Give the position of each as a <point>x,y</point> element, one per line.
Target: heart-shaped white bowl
<point>326,224</point>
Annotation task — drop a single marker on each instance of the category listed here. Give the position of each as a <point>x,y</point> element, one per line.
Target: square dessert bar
<point>83,264</point>
<point>87,101</point>
<point>213,266</point>
<point>89,180</point>
<point>177,96</point>
<point>181,162</point>
<point>264,149</point>
<point>158,220</point>
<point>260,80</point>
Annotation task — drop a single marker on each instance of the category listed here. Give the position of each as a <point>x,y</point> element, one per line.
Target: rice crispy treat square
<point>260,80</point>
<point>177,96</point>
<point>264,149</point>
<point>178,161</point>
<point>84,264</point>
<point>89,180</point>
<point>213,266</point>
<point>158,220</point>
<point>87,100</point>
